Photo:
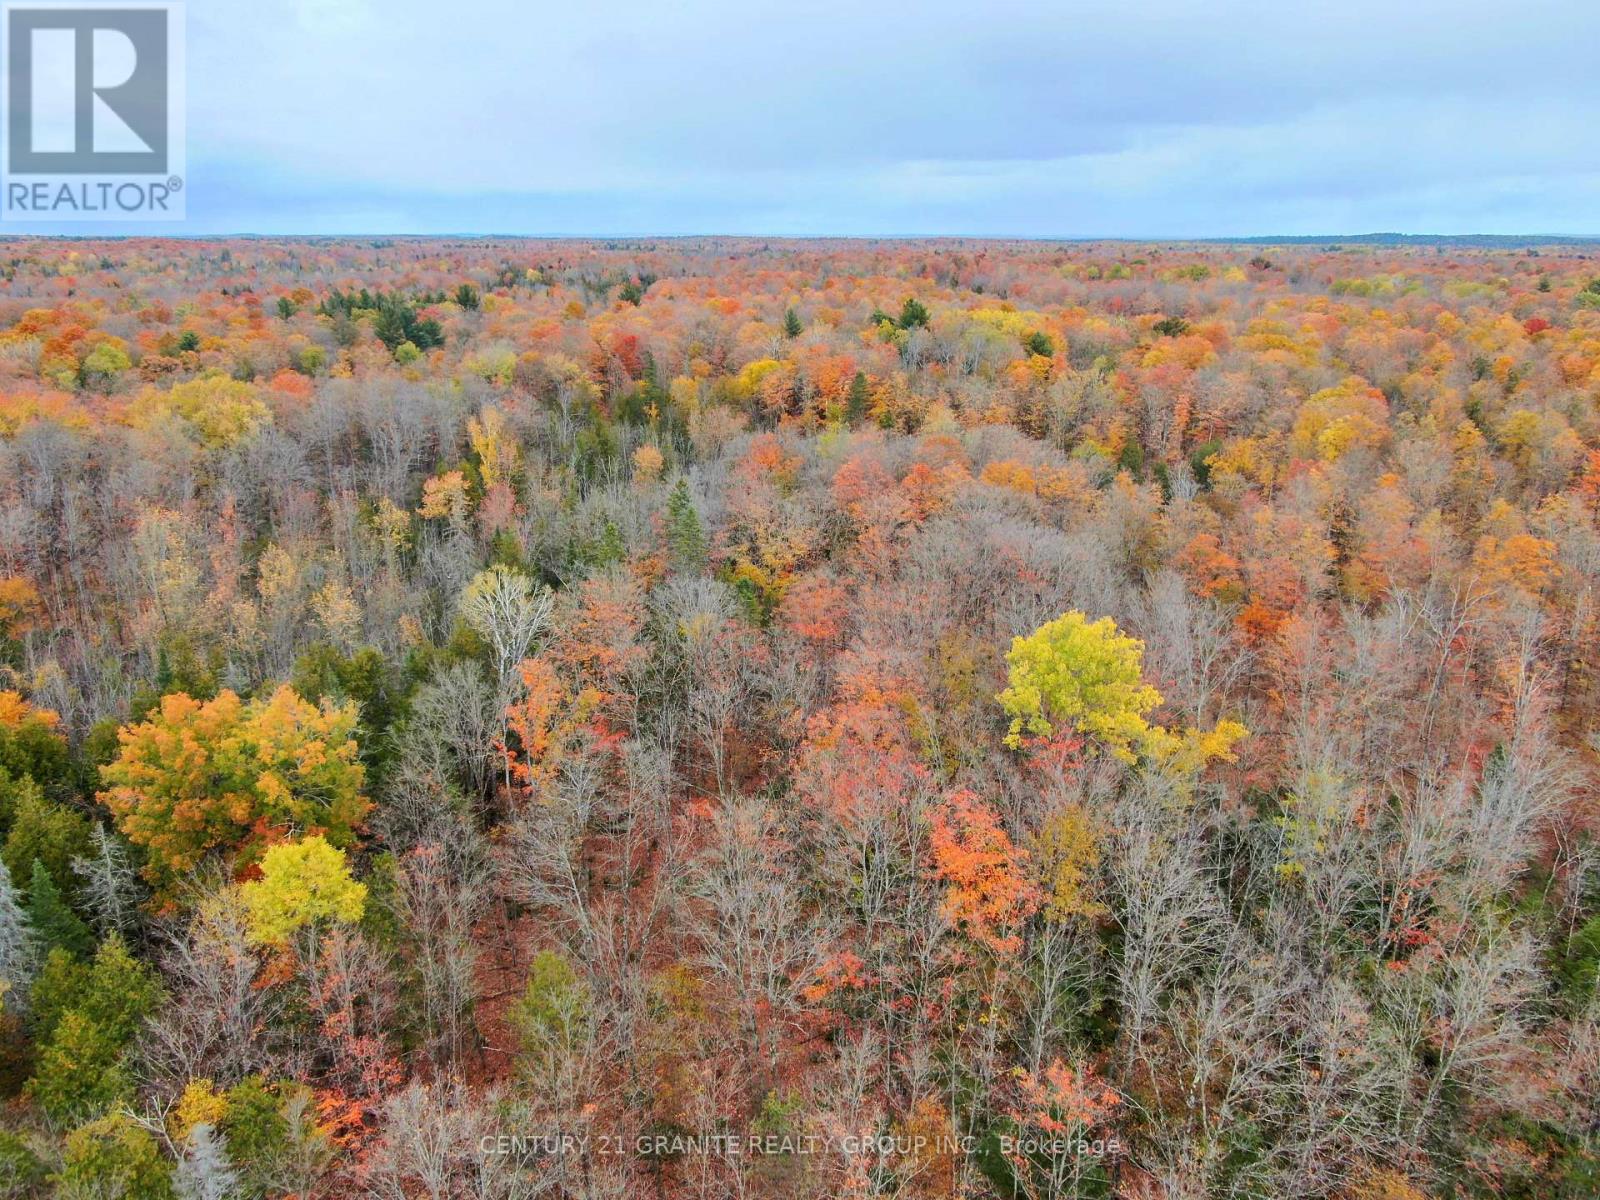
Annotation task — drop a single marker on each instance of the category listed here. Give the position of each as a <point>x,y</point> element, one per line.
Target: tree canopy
<point>231,776</point>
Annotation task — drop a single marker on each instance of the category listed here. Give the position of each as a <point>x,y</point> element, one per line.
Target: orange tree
<point>230,776</point>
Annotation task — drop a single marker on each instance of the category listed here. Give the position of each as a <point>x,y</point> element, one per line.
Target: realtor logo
<point>93,122</point>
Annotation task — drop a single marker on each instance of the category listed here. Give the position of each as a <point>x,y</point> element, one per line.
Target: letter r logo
<point>86,90</point>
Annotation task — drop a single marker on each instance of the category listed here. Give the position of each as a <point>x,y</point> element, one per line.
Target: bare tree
<point>441,1141</point>
<point>508,610</point>
<point>439,909</point>
<point>223,1030</point>
<point>751,925</point>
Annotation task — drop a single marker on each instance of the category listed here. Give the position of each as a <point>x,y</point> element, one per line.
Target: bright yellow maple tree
<point>302,883</point>
<point>1088,675</point>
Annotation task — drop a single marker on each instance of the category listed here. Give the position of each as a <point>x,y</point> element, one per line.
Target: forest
<point>732,718</point>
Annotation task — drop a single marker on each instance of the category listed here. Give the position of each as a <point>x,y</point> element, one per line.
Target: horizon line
<point>1076,239</point>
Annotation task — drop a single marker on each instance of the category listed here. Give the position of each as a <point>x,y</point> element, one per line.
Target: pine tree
<point>86,1017</point>
<point>43,829</point>
<point>791,324</point>
<point>121,990</point>
<point>686,540</point>
<point>610,549</point>
<point>913,314</point>
<point>53,919</point>
<point>855,408</point>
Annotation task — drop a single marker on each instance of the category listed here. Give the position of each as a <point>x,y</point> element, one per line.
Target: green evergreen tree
<point>257,1133</point>
<point>686,540</point>
<point>58,988</point>
<point>1199,465</point>
<point>47,832</point>
<point>857,402</point>
<point>86,1018</point>
<point>80,1074</point>
<point>54,922</point>
<point>791,324</point>
<point>325,672</point>
<point>271,1129</point>
<point>390,326</point>
<point>596,446</point>
<point>33,748</point>
<point>913,314</point>
<point>21,1171</point>
<point>1131,459</point>
<point>11,787</point>
<point>610,549</point>
<point>121,991</point>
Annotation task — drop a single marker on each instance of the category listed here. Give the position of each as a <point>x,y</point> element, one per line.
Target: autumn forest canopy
<point>951,718</point>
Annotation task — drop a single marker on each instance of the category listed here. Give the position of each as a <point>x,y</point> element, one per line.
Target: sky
<point>1079,118</point>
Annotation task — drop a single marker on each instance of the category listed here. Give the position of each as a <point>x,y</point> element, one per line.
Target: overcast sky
<point>1075,119</point>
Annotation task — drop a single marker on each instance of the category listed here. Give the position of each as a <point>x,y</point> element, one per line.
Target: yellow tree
<point>1088,675</point>
<point>302,883</point>
<point>216,411</point>
<point>20,606</point>
<point>1066,855</point>
<point>1082,673</point>
<point>499,456</point>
